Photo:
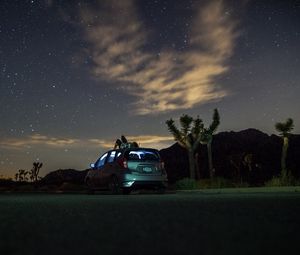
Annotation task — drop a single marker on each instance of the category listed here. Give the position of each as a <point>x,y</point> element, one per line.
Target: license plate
<point>147,169</point>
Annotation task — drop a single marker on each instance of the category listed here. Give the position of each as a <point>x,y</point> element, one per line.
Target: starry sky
<point>76,75</point>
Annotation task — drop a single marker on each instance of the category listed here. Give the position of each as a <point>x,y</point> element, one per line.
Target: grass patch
<point>186,184</point>
<point>66,186</point>
<point>217,182</point>
<point>284,179</point>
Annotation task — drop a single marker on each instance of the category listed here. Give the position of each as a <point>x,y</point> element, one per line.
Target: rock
<point>61,176</point>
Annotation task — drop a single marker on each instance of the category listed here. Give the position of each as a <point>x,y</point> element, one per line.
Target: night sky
<point>75,75</point>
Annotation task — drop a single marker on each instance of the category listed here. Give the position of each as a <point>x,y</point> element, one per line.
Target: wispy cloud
<point>168,81</point>
<point>153,141</point>
<point>37,139</point>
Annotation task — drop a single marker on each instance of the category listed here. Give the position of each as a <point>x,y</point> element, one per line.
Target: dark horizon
<point>248,132</point>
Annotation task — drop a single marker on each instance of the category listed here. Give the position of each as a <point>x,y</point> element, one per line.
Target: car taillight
<point>123,163</point>
<point>161,164</point>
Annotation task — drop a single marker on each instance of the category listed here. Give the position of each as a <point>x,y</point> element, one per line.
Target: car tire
<point>114,185</point>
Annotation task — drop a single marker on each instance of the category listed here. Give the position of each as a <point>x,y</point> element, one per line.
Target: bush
<point>24,187</point>
<point>274,182</point>
<point>215,183</point>
<point>48,188</point>
<point>186,183</point>
<point>284,179</point>
<point>4,182</point>
<point>241,185</point>
<point>67,186</point>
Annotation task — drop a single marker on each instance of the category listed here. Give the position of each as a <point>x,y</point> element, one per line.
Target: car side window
<point>101,160</point>
<point>111,157</point>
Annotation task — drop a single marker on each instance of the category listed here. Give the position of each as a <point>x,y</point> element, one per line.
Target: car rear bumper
<point>144,181</point>
<point>148,185</point>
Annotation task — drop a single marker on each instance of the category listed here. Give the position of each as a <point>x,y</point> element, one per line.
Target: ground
<point>240,221</point>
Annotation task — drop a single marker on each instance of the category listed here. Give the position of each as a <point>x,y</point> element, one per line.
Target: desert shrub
<point>284,179</point>
<point>214,183</point>
<point>24,187</point>
<point>6,182</point>
<point>241,185</point>
<point>47,188</point>
<point>67,186</point>
<point>274,182</point>
<point>186,183</point>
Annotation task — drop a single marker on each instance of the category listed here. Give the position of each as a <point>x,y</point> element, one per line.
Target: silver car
<point>127,169</point>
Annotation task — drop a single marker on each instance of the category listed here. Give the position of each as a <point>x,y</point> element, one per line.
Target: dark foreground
<point>185,223</point>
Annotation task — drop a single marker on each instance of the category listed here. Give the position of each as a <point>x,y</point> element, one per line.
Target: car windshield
<point>142,154</point>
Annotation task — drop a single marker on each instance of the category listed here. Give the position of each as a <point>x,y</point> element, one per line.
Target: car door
<point>99,167</point>
<point>108,168</point>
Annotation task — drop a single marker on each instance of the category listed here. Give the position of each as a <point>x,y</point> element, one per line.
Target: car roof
<point>132,149</point>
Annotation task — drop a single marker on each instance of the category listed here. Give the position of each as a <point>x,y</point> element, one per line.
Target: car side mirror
<point>92,165</point>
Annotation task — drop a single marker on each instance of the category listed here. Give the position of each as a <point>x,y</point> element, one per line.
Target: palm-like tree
<point>34,172</point>
<point>21,175</point>
<point>207,139</point>
<point>189,137</point>
<point>284,129</point>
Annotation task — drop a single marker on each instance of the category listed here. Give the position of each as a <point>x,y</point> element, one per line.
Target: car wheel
<point>114,185</point>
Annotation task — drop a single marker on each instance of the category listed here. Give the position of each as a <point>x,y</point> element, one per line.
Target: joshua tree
<point>17,176</point>
<point>284,129</point>
<point>207,139</point>
<point>31,176</point>
<point>123,143</point>
<point>242,165</point>
<point>34,172</point>
<point>21,175</point>
<point>188,137</point>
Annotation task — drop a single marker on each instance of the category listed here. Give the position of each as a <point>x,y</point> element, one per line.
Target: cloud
<point>147,141</point>
<point>153,141</point>
<point>168,81</point>
<point>101,143</point>
<point>37,139</point>
<point>53,141</point>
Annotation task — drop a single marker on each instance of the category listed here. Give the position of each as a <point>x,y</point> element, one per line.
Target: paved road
<point>185,223</point>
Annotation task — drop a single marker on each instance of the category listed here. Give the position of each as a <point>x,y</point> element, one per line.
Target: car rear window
<point>142,155</point>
